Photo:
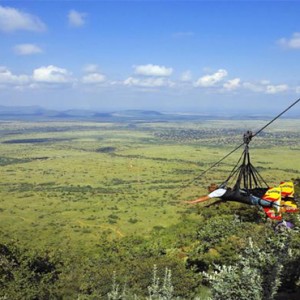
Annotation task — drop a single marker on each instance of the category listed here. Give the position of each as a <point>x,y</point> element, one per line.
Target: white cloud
<point>12,19</point>
<point>186,76</point>
<point>57,77</point>
<point>291,43</point>
<point>274,89</point>
<point>93,75</point>
<point>51,74</point>
<point>148,82</point>
<point>93,78</point>
<point>153,70</point>
<point>8,78</point>
<point>232,84</point>
<point>211,80</point>
<point>76,19</point>
<point>27,49</point>
<point>254,87</point>
<point>266,87</point>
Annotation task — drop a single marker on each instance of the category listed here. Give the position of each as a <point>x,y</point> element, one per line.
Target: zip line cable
<point>238,147</point>
<point>211,167</point>
<point>276,117</point>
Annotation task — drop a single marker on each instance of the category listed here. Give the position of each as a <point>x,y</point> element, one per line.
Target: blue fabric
<point>257,201</point>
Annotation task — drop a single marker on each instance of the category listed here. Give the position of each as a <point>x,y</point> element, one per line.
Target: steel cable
<point>238,147</point>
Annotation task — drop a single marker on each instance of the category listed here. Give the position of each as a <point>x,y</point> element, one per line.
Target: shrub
<point>258,273</point>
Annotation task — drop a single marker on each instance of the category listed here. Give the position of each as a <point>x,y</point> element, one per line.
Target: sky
<point>171,56</point>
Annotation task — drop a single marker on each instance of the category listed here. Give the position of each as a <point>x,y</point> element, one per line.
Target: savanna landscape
<point>94,209</point>
<point>117,117</point>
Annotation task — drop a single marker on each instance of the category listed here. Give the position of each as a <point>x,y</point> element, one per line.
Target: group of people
<point>274,201</point>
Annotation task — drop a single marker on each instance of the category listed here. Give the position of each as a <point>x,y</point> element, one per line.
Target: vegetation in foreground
<point>89,211</point>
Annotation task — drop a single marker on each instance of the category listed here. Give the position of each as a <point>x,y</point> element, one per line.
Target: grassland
<point>65,184</point>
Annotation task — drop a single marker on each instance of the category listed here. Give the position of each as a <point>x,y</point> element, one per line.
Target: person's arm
<point>215,194</point>
<point>201,199</point>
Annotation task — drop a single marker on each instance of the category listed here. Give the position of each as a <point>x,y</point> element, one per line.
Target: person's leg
<point>261,202</point>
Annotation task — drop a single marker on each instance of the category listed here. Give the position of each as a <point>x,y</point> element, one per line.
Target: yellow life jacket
<point>273,194</point>
<point>286,190</point>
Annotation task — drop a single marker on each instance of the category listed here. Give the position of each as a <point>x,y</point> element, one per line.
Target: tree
<point>258,273</point>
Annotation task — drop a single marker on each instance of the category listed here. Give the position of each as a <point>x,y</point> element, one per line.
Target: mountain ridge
<point>40,113</point>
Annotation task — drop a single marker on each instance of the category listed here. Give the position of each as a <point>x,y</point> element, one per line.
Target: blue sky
<point>189,56</point>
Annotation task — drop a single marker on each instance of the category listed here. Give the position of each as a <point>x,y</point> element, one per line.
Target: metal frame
<point>247,176</point>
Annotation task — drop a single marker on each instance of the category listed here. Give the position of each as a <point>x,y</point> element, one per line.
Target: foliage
<point>115,294</point>
<point>220,238</point>
<point>27,275</point>
<point>92,207</point>
<point>164,291</point>
<point>257,275</point>
<point>232,282</point>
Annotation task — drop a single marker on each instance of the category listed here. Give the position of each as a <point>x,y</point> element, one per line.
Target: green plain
<point>65,184</point>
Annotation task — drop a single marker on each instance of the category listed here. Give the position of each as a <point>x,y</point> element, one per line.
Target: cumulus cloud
<point>153,70</point>
<point>266,87</point>
<point>27,49</point>
<point>93,78</point>
<point>8,78</point>
<point>76,19</point>
<point>232,84</point>
<point>211,80</point>
<point>12,19</point>
<point>292,42</point>
<point>93,75</point>
<point>274,89</point>
<point>51,74</point>
<point>148,82</point>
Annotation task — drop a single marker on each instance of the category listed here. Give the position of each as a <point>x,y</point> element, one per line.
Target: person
<point>227,194</point>
<point>270,201</point>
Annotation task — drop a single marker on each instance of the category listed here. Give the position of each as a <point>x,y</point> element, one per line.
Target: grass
<point>58,190</point>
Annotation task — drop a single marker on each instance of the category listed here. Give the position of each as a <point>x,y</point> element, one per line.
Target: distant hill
<point>22,110</point>
<point>37,113</point>
<point>136,113</point>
